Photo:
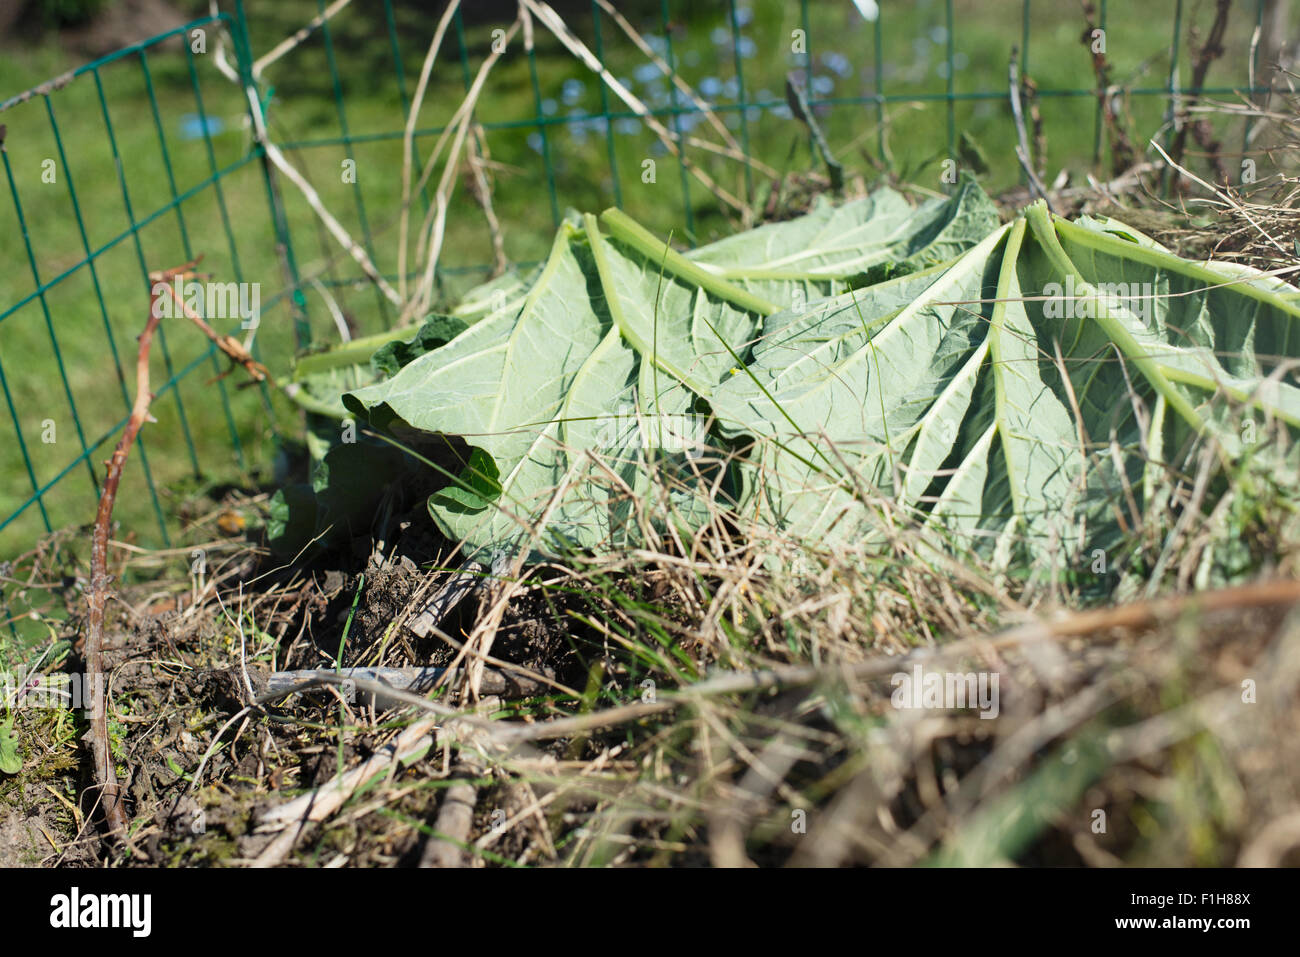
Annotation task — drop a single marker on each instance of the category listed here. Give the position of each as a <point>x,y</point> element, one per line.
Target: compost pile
<point>620,560</point>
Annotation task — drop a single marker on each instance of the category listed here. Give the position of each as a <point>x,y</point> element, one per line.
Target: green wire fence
<point>145,158</point>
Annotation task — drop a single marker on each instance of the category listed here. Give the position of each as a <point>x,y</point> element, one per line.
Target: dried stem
<point>408,141</point>
<point>702,105</point>
<point>233,349</point>
<point>481,187</point>
<point>432,230</point>
<point>555,23</point>
<point>455,816</point>
<point>291,42</point>
<point>1210,51</point>
<point>1022,146</point>
<point>93,643</point>
<point>1121,147</point>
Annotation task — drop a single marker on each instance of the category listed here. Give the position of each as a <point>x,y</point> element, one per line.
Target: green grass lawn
<point>208,431</point>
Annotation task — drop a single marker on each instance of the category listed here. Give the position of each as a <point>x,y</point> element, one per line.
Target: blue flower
<point>688,121</point>
<point>572,90</point>
<point>534,142</point>
<point>647,73</point>
<point>823,85</point>
<point>193,126</point>
<point>549,107</point>
<point>746,47</point>
<point>711,86</point>
<point>838,64</point>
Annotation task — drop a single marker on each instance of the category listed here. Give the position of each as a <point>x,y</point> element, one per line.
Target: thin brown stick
<point>1122,153</point>
<point>1210,51</point>
<point>1147,614</point>
<point>233,349</point>
<point>93,643</point>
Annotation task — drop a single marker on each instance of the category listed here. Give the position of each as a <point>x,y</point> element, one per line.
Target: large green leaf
<point>833,248</point>
<point>534,392</point>
<point>616,343</point>
<point>838,397</point>
<point>874,237</point>
<point>1016,389</point>
<point>954,394</point>
<point>505,291</point>
<point>502,387</point>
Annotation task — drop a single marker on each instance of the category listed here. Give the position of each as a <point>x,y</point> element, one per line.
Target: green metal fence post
<point>244,56</point>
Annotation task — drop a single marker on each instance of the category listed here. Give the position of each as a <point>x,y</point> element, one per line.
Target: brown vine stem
<point>233,349</point>
<point>92,645</point>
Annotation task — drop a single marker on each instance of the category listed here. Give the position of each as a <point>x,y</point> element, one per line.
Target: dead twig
<point>1123,155</point>
<point>1210,51</point>
<point>233,349</point>
<point>381,683</point>
<point>91,645</point>
<point>481,187</point>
